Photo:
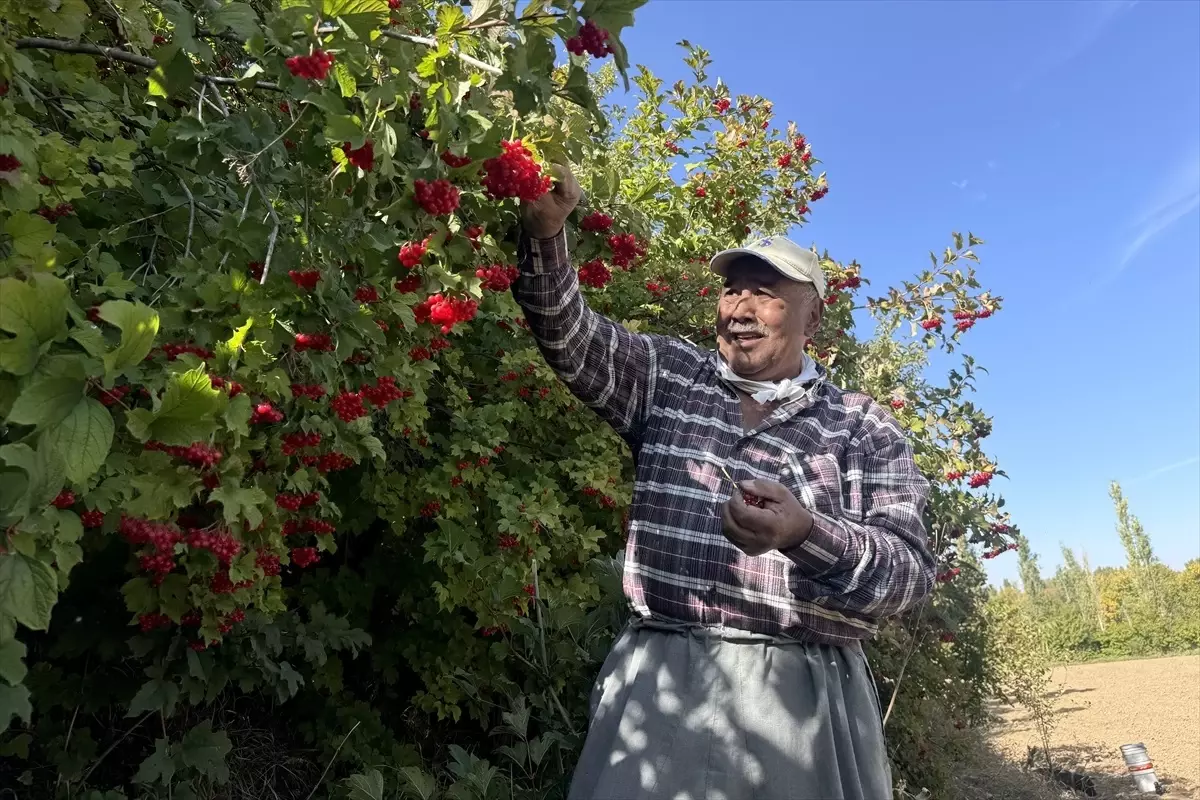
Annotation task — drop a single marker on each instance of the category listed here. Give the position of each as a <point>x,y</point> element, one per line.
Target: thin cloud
<point>1100,16</point>
<point>1154,473</point>
<point>991,164</point>
<point>960,184</point>
<point>1179,199</point>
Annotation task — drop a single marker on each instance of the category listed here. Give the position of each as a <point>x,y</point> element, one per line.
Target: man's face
<point>764,320</point>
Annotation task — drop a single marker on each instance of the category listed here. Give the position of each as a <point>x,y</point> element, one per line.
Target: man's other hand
<point>545,217</point>
<point>763,516</point>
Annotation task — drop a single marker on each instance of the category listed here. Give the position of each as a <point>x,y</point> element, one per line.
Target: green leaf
<point>159,766</point>
<point>47,401</point>
<point>239,503</point>
<point>345,79</point>
<point>450,21</point>
<point>83,439</point>
<point>43,468</point>
<point>486,11</point>
<point>419,782</point>
<point>14,702</point>
<point>238,413</point>
<point>363,16</point>
<point>366,785</point>
<point>373,446</point>
<point>237,17</point>
<point>204,750</point>
<point>36,308</point>
<point>12,661</point>
<point>613,16</point>
<point>155,695</point>
<point>138,324</point>
<point>342,128</point>
<point>28,590</point>
<point>31,237</point>
<point>173,595</point>
<point>173,75</point>
<point>185,414</point>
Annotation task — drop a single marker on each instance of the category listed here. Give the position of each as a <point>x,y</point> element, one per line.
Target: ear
<point>813,313</point>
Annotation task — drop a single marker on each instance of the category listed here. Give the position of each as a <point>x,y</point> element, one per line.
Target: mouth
<point>745,337</point>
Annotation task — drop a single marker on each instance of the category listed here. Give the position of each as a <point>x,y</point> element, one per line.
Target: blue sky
<point>1067,135</point>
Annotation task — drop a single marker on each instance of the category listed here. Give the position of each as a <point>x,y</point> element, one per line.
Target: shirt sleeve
<point>883,565</point>
<point>606,366</point>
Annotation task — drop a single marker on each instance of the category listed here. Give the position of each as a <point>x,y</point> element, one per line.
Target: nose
<point>743,307</point>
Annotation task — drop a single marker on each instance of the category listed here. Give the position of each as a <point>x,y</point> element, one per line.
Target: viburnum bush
<point>266,398</point>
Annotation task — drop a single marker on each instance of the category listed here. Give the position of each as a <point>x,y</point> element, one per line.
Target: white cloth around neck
<point>770,391</point>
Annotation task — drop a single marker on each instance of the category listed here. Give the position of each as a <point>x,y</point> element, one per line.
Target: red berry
<point>431,509</point>
<point>411,253</point>
<point>497,277</point>
<point>265,413</point>
<point>92,519</point>
<point>150,622</point>
<point>596,222</point>
<point>445,311</point>
<point>980,479</point>
<point>314,66</point>
<point>64,499</point>
<point>321,342</point>
<point>514,173</point>
<point>626,249</point>
<point>934,323</point>
<point>304,556</point>
<point>593,273</point>
<point>453,161</point>
<point>721,105</point>
<point>267,562</point>
<point>366,294</point>
<point>784,161</point>
<point>9,162</point>
<point>362,157</point>
<point>590,39</point>
<point>306,280</point>
<point>348,406</point>
<point>438,198</point>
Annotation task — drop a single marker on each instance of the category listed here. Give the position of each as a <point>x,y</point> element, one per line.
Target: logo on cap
<point>765,243</point>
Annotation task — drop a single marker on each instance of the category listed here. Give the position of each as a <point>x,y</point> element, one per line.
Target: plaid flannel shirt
<point>841,454</point>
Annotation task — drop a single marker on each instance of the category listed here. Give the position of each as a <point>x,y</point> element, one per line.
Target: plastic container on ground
<point>1141,768</point>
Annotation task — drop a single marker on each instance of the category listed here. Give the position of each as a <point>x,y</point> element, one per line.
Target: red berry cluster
<point>897,403</point>
<point>348,405</point>
<point>420,354</point>
<point>954,475</point>
<point>431,509</point>
<point>672,147</point>
<point>848,282</point>
<point>267,562</point>
<point>159,535</point>
<point>110,397</point>
<point>64,499</point>
<point>438,198</point>
<point>9,163</point>
<point>366,294</point>
<point>198,454</point>
<point>313,391</point>
<point>999,550</point>
<point>701,191</point>
<point>152,622</point>
<point>784,161</point>
<point>221,545</point>
<point>932,324</point>
<point>313,67</point>
<point>590,39</point>
<point>408,285</point>
<point>92,519</point>
<point>321,342</point>
<point>306,280</point>
<point>497,277</point>
<point>383,392</point>
<point>948,575</point>
<point>473,233</point>
<point>362,157</point>
<point>58,212</point>
<point>947,637</point>
<point>295,442</point>
<point>453,161</point>
<point>173,350</point>
<point>657,289</point>
<point>508,541</point>
<point>255,268</point>
<point>819,193</point>
<point>704,290</point>
<point>395,4</point>
<point>411,253</point>
<point>491,631</point>
<point>221,583</point>
<point>721,105</point>
<point>218,382</point>
<point>445,311</point>
<point>294,501</point>
<point>979,479</point>
<point>593,273</point>
<point>596,222</point>
<point>158,565</point>
<point>265,413</point>
<point>305,556</point>
<point>438,344</point>
<point>626,249</point>
<point>514,173</point>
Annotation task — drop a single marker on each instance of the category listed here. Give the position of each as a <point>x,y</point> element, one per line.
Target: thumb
<point>768,490</point>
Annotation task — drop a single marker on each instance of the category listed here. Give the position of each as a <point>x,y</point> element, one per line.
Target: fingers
<point>769,490</point>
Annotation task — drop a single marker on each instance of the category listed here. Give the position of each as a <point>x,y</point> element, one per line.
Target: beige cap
<point>788,258</point>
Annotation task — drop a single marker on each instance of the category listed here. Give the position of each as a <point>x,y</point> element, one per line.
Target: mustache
<point>736,328</point>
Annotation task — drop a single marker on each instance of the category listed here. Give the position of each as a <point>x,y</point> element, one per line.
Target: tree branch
<point>425,40</point>
<point>117,54</point>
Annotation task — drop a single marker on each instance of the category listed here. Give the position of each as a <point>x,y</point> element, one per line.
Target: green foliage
<point>187,222</point>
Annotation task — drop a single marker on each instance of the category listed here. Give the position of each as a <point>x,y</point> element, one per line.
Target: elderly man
<point>742,674</point>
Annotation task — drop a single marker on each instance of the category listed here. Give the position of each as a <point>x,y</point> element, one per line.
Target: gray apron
<point>689,712</point>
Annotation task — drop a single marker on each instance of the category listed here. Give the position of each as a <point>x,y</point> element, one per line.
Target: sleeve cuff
<point>824,549</point>
<point>539,256</point>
